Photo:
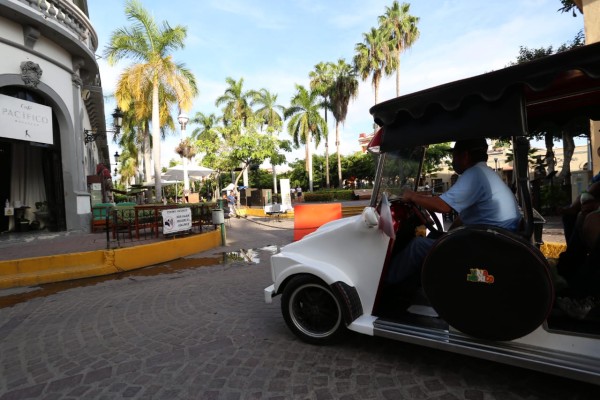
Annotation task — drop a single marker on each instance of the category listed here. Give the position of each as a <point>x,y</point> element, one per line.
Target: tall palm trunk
<point>550,161</point>
<point>309,162</point>
<point>326,154</point>
<point>147,154</point>
<point>327,163</point>
<point>398,78</point>
<point>568,150</point>
<point>376,87</point>
<point>274,178</point>
<point>339,158</point>
<point>156,142</point>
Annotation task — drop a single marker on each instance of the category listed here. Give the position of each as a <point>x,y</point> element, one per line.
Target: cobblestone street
<point>198,328</point>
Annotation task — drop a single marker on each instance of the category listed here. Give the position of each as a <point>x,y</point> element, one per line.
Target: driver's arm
<point>430,203</point>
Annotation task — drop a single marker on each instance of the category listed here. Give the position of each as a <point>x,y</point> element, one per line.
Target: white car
<point>485,292</point>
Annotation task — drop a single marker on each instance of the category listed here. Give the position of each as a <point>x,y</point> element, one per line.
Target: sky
<point>275,44</point>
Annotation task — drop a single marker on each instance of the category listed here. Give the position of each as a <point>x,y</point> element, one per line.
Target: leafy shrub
<point>317,197</point>
<point>552,197</point>
<point>328,195</point>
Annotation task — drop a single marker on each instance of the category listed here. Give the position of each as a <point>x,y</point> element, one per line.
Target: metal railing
<point>125,224</point>
<point>68,16</point>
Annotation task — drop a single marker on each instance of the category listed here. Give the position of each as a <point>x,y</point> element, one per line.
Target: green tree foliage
<point>551,132</point>
<point>149,46</point>
<point>271,115</point>
<point>371,57</point>
<point>321,80</point>
<point>344,88</point>
<point>236,103</point>
<point>569,6</point>
<point>401,30</point>
<point>360,166</point>
<point>306,124</point>
<point>438,156</point>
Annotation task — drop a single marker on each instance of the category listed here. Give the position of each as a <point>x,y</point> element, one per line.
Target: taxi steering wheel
<point>427,218</point>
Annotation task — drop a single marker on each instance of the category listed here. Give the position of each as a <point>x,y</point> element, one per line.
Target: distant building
<point>364,139</point>
<point>498,159</point>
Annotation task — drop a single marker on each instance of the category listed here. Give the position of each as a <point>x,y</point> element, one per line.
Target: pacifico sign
<point>24,120</point>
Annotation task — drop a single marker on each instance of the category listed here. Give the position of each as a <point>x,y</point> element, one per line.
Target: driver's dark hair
<point>477,155</point>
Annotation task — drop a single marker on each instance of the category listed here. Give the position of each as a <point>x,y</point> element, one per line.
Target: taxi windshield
<point>399,170</point>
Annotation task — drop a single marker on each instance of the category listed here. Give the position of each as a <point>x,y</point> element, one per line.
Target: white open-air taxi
<point>485,292</point>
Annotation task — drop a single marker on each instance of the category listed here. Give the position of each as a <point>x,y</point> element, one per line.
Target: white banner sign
<point>24,120</point>
<point>176,220</point>
<point>286,198</point>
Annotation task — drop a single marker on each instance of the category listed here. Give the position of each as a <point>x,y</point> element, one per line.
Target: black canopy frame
<point>554,90</point>
<point>509,102</point>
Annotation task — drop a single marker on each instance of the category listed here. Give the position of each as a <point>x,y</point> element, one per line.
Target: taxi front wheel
<point>312,311</point>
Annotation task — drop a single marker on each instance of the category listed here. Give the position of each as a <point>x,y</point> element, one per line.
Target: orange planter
<point>308,217</point>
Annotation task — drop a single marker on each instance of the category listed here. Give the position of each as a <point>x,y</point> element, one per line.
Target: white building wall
<point>59,84</point>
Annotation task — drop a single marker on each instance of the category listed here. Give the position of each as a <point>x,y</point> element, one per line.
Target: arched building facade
<point>50,93</point>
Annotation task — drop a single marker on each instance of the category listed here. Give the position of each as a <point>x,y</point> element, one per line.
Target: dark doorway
<point>50,167</point>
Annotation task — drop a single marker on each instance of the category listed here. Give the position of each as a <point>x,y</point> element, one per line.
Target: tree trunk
<point>568,150</point>
<point>156,143</point>
<point>309,161</point>
<point>339,158</point>
<point>327,164</point>
<point>398,77</point>
<point>549,159</point>
<point>147,175</point>
<point>327,154</point>
<point>274,179</point>
<point>306,153</point>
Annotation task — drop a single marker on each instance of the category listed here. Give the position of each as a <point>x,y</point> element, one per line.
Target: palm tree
<point>269,115</point>
<point>237,109</point>
<point>269,111</point>
<point>305,124</point>
<point>235,101</point>
<point>138,113</point>
<point>343,89</point>
<point>150,45</point>
<point>131,141</point>
<point>207,124</point>
<point>401,29</point>
<point>371,57</point>
<point>321,80</point>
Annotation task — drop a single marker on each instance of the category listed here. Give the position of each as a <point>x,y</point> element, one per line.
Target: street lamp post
<point>183,120</point>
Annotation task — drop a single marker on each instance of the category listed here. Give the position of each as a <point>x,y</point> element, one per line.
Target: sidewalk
<point>32,254</point>
<point>15,246</point>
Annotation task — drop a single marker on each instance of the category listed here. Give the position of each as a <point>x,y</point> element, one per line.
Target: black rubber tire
<point>312,311</point>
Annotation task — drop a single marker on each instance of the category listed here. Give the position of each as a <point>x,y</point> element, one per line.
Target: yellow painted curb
<point>64,267</point>
<point>259,212</point>
<point>141,256</point>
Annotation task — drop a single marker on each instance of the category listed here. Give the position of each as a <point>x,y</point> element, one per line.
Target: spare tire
<point>488,282</point>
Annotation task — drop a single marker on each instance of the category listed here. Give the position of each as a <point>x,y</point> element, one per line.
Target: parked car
<point>331,280</point>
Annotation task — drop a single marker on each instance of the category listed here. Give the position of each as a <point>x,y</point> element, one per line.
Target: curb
<point>63,267</point>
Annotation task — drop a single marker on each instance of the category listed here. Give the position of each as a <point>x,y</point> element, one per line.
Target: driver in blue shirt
<point>479,196</point>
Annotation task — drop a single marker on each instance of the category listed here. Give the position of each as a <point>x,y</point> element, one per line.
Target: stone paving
<point>198,328</point>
